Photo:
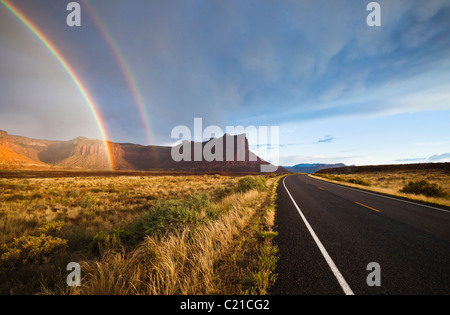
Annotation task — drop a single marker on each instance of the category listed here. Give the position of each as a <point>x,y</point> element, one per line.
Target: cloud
<point>411,160</point>
<point>327,139</point>
<point>433,158</point>
<point>439,157</point>
<point>254,62</point>
<point>260,61</point>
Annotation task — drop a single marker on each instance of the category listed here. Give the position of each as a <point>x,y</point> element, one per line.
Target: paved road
<point>328,234</point>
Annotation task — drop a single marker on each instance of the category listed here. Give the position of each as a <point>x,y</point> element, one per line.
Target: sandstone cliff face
<point>231,154</point>
<point>84,153</point>
<point>9,141</point>
<point>228,153</point>
<point>11,160</point>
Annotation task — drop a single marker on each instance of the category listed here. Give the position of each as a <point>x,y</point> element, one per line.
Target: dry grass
<point>93,203</point>
<point>179,263</point>
<point>391,183</point>
<point>220,257</point>
<point>227,251</point>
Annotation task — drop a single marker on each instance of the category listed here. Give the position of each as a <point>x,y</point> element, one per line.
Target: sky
<point>339,90</point>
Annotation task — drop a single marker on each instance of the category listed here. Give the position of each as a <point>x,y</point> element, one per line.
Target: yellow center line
<point>320,188</point>
<point>368,207</point>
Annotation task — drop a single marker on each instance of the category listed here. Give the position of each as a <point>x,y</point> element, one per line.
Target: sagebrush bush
<point>222,191</point>
<point>249,183</point>
<point>170,215</point>
<point>423,187</point>
<point>104,241</point>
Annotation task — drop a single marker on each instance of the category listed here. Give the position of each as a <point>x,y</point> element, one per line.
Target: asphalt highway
<point>328,236</point>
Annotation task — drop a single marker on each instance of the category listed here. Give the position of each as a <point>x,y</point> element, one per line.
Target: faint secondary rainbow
<point>69,70</point>
<point>125,68</point>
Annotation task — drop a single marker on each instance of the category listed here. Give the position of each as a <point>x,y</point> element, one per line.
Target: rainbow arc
<point>124,67</point>
<point>28,23</point>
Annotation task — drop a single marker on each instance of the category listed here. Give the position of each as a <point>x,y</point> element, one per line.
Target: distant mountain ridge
<point>311,168</point>
<point>83,153</point>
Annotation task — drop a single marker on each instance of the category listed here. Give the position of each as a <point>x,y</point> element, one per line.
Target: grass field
<point>393,181</point>
<point>190,234</point>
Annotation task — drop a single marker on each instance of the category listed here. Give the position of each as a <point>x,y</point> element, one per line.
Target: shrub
<point>250,183</point>
<point>358,181</point>
<point>222,191</point>
<point>108,240</point>
<point>73,194</point>
<point>52,227</point>
<point>170,215</point>
<point>30,249</point>
<point>423,187</point>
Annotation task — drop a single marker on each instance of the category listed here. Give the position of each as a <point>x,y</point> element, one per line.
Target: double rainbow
<point>124,67</point>
<point>68,69</point>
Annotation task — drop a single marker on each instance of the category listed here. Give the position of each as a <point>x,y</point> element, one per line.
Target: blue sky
<point>339,90</point>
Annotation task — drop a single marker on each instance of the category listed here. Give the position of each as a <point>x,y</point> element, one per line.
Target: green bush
<point>222,191</point>
<point>108,240</point>
<point>423,187</point>
<point>250,183</point>
<point>171,215</point>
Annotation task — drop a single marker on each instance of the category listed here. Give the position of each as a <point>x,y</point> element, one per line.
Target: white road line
<point>334,269</point>
<point>393,198</point>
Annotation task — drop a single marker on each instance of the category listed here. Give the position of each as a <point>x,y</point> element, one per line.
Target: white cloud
<point>445,157</point>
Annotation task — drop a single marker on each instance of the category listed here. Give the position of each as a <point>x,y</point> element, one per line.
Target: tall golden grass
<point>180,263</point>
<point>207,260</point>
<point>229,254</point>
